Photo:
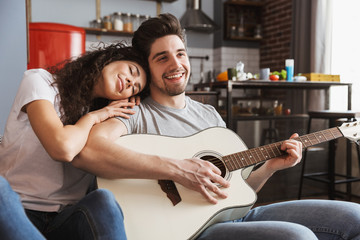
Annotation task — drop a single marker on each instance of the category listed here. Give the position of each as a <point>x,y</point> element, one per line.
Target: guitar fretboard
<point>253,156</point>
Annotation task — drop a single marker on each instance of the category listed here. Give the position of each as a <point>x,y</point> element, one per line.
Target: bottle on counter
<point>289,67</point>
<point>118,22</point>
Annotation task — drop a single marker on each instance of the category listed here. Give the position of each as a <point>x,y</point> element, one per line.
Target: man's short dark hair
<point>154,28</point>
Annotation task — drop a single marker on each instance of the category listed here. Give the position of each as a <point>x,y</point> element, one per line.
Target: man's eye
<point>161,58</point>
<point>182,54</point>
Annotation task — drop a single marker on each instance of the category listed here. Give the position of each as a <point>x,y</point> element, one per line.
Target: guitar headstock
<point>351,130</point>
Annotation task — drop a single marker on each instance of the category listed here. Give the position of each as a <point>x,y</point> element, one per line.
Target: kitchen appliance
<point>196,20</point>
<point>52,43</point>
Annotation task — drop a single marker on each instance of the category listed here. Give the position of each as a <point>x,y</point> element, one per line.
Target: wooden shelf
<point>270,117</point>
<point>168,1</point>
<point>245,3</point>
<point>103,31</point>
<point>244,39</point>
<point>242,20</point>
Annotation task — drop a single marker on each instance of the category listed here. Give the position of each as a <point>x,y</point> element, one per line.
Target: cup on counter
<point>232,74</point>
<point>264,73</point>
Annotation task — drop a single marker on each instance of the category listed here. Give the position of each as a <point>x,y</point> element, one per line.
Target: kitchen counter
<point>267,85</point>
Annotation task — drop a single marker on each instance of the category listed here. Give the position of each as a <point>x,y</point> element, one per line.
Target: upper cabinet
<point>242,20</point>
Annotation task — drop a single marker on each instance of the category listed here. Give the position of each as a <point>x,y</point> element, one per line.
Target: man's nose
<point>174,61</point>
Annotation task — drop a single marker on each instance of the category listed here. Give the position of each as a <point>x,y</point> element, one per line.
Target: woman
<point>48,126</point>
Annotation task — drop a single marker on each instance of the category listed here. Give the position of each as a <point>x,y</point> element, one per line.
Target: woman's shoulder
<point>38,72</point>
<point>37,76</point>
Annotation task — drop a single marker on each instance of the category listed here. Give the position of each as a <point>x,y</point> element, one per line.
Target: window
<point>345,59</point>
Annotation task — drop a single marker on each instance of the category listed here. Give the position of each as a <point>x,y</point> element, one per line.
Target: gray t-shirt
<point>154,118</point>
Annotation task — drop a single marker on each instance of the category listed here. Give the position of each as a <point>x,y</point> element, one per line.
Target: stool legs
<point>331,170</point>
<point>302,174</point>
<point>331,173</point>
<point>271,134</point>
<point>303,164</point>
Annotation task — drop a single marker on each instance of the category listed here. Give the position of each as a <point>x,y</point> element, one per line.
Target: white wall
<point>81,12</point>
<point>12,53</point>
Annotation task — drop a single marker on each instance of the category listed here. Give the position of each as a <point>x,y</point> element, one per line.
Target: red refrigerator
<point>51,43</point>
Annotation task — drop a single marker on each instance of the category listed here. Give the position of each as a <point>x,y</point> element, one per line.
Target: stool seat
<point>328,114</point>
<point>334,118</point>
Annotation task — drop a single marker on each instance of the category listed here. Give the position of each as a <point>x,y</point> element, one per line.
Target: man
<point>168,111</point>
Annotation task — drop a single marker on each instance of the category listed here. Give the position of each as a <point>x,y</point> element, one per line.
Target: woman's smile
<point>121,83</point>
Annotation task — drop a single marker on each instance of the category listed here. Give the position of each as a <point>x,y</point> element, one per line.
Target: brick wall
<point>276,28</point>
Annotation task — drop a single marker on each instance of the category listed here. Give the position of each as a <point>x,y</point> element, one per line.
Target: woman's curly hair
<point>77,78</point>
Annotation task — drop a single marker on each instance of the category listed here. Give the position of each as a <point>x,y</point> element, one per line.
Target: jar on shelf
<point>145,18</point>
<point>118,22</point>
<point>96,23</point>
<point>233,32</point>
<point>241,29</point>
<point>128,26</point>
<point>107,23</point>
<point>257,33</point>
<point>278,108</point>
<point>137,22</point>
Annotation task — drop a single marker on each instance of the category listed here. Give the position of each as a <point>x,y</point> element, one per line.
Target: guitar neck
<point>253,156</point>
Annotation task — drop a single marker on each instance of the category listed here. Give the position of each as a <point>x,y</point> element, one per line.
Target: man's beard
<point>173,90</point>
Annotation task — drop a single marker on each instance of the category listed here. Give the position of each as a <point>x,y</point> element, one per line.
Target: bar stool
<point>271,134</point>
<point>334,118</point>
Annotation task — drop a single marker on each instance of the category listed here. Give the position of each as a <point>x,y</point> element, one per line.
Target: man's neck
<point>177,101</point>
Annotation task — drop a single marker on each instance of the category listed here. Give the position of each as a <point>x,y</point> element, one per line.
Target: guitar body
<point>149,213</point>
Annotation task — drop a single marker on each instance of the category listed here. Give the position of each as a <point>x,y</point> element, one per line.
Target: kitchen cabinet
<point>242,20</point>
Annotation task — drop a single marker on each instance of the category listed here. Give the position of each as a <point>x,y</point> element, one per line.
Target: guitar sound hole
<point>217,162</point>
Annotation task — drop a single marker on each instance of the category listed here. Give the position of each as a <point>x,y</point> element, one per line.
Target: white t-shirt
<point>42,183</point>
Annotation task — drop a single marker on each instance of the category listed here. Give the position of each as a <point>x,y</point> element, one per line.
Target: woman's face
<point>120,80</point>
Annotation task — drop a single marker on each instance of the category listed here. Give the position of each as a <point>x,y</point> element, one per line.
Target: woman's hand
<point>135,99</point>
<point>119,108</point>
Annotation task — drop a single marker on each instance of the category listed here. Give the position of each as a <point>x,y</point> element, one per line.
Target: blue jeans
<point>14,225</point>
<point>300,220</point>
<point>96,216</point>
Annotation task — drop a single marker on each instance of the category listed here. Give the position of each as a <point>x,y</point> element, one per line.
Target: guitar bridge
<point>169,187</point>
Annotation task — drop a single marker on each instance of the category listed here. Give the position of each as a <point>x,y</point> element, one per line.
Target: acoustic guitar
<point>150,214</point>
